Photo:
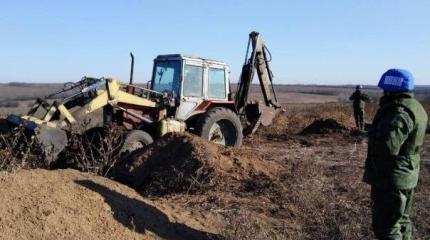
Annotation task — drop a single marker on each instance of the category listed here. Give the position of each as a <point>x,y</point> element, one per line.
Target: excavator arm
<point>256,60</point>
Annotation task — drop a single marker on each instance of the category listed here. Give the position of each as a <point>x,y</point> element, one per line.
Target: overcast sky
<point>312,42</point>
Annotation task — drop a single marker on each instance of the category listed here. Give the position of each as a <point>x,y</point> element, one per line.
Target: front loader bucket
<point>52,140</point>
<point>4,127</point>
<point>258,114</point>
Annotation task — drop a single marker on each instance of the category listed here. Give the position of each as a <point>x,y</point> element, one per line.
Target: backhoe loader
<point>185,93</point>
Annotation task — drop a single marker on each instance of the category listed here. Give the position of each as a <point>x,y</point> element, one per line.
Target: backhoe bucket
<point>52,140</point>
<point>257,113</point>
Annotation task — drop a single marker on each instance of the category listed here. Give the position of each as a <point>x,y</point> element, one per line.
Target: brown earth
<point>67,204</point>
<point>183,163</point>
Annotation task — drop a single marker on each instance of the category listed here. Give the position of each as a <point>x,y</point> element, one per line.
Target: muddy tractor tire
<point>222,126</point>
<point>135,139</point>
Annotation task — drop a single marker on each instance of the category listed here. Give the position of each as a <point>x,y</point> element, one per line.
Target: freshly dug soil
<point>183,163</point>
<point>67,204</point>
<point>324,126</point>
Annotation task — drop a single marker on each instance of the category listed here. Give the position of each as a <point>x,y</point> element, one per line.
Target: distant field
<point>16,97</point>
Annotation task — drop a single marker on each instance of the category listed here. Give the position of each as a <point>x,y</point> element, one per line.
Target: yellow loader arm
<point>112,95</point>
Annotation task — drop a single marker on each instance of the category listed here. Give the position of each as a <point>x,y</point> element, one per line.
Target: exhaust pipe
<point>130,88</point>
<point>131,68</point>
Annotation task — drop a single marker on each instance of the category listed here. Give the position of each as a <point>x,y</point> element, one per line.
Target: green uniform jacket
<point>358,99</point>
<point>395,141</point>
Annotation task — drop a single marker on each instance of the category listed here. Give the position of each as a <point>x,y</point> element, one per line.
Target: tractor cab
<point>192,81</point>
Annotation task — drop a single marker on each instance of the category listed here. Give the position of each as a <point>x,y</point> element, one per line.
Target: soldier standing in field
<point>393,160</point>
<point>359,98</point>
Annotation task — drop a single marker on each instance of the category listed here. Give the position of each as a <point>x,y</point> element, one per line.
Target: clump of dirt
<point>279,127</point>
<point>183,163</point>
<point>67,204</point>
<point>324,126</point>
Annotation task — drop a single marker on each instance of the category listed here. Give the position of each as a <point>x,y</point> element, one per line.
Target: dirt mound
<point>279,127</point>
<point>183,163</point>
<point>67,204</point>
<point>324,126</point>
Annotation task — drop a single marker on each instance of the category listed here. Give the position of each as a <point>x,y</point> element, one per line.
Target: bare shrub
<point>18,150</point>
<point>96,150</point>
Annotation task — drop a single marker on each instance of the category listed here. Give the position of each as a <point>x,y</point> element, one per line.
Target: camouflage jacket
<point>358,99</point>
<point>395,142</point>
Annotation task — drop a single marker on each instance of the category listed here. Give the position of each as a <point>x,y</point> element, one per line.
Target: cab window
<point>216,83</point>
<point>193,81</point>
<point>166,76</point>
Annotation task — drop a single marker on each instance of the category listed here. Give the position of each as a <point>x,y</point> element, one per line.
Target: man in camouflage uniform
<point>393,160</point>
<point>359,98</point>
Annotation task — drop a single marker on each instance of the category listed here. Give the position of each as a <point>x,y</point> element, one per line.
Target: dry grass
<point>321,187</point>
<point>245,225</point>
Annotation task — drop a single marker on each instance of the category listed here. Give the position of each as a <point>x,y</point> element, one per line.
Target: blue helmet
<point>397,80</point>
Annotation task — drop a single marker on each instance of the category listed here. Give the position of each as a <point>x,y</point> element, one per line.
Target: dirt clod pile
<point>324,126</point>
<point>183,163</point>
<point>67,204</point>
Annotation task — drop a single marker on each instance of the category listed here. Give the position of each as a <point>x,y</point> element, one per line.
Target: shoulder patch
<point>397,118</point>
<point>403,119</point>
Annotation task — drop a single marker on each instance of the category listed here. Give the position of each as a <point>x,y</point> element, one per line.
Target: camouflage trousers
<point>359,118</point>
<point>391,210</point>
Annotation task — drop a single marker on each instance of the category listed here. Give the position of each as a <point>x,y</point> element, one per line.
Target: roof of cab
<point>189,57</point>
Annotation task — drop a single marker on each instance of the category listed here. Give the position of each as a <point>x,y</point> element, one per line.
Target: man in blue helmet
<point>393,159</point>
<point>359,98</point>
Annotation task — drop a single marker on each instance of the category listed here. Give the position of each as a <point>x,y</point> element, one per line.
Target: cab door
<point>192,92</point>
<point>217,87</point>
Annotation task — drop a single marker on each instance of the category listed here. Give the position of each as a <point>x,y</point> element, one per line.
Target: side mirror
<point>148,84</point>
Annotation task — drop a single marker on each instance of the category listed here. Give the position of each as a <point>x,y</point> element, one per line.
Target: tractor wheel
<point>222,126</point>
<point>136,139</point>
